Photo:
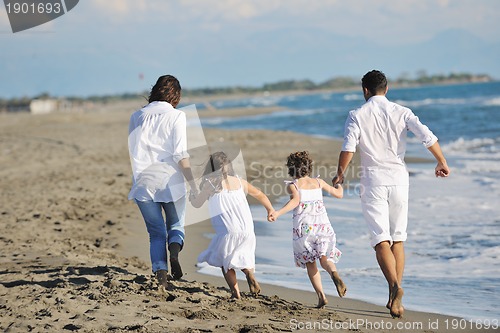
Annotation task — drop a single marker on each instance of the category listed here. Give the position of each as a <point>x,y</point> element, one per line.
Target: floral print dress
<point>313,235</point>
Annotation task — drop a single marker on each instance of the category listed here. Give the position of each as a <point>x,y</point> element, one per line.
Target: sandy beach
<point>74,251</point>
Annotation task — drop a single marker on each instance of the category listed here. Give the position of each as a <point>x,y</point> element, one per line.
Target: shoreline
<point>76,251</point>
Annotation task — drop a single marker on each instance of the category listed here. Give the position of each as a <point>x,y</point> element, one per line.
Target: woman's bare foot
<point>162,277</point>
<point>252,283</point>
<point>176,268</point>
<point>322,301</point>
<point>396,303</point>
<point>341,288</point>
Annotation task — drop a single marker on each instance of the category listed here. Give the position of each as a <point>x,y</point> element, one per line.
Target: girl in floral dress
<point>313,235</point>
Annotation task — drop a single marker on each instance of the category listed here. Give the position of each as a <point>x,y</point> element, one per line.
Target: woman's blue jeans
<point>162,230</point>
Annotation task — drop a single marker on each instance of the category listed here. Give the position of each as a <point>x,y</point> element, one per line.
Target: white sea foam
<point>213,121</point>
<point>326,97</point>
<point>492,102</point>
<point>353,97</point>
<point>472,145</point>
<point>433,101</point>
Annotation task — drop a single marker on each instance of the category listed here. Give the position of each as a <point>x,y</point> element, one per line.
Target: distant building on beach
<point>49,105</point>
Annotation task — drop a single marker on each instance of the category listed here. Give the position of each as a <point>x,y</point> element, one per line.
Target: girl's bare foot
<point>252,283</point>
<point>396,303</point>
<point>322,301</point>
<point>339,284</point>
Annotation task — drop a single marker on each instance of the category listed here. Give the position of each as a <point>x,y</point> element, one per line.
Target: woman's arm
<point>180,155</point>
<point>188,174</point>
<point>337,191</point>
<point>199,199</point>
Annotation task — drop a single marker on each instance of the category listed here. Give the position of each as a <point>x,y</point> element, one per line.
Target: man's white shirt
<point>379,128</point>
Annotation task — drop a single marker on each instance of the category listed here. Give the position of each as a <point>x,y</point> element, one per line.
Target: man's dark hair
<point>166,89</point>
<point>375,81</point>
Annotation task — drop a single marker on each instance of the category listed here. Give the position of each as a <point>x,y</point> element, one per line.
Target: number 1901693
<point>33,8</point>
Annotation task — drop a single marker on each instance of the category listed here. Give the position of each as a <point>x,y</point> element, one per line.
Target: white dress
<point>233,246</point>
<point>313,235</point>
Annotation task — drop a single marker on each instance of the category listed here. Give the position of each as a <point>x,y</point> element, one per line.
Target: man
<point>157,145</point>
<point>379,128</point>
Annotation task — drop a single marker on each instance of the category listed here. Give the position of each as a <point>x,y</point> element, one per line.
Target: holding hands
<point>273,216</point>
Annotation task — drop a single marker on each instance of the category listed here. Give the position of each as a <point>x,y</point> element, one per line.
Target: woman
<point>158,153</point>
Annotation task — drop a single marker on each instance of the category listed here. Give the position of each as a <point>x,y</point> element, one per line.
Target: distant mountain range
<point>302,58</point>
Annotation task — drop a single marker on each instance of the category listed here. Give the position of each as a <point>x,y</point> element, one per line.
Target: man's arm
<point>442,169</point>
<point>345,158</point>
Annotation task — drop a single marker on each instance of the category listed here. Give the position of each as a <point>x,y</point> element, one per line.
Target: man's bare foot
<point>252,283</point>
<point>389,302</point>
<point>341,288</point>
<point>322,301</point>
<point>397,309</point>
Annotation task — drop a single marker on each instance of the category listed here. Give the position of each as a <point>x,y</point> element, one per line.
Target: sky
<point>104,47</point>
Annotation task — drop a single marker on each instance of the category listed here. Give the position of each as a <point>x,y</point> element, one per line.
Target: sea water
<point>453,247</point>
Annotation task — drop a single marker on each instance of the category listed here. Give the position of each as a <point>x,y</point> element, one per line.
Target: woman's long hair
<point>217,169</point>
<point>167,89</point>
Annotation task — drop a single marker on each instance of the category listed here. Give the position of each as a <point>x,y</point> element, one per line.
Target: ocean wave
<point>476,145</point>
<point>433,101</point>
<point>260,101</point>
<point>353,97</point>
<point>492,102</point>
<point>243,120</point>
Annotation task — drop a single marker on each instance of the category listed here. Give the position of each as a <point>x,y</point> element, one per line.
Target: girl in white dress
<point>313,235</point>
<point>233,246</point>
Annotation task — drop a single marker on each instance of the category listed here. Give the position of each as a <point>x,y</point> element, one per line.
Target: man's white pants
<point>385,209</point>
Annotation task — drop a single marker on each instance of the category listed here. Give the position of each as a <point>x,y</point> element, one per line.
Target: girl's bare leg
<point>252,282</point>
<point>315,277</point>
<point>332,270</point>
<point>232,282</point>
